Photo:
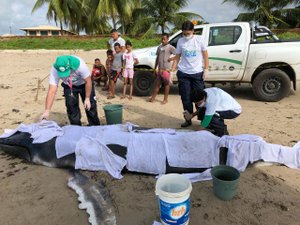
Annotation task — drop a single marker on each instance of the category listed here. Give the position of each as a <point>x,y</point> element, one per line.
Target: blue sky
<point>16,14</point>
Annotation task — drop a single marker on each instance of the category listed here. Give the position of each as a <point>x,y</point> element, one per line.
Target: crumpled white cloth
<point>282,154</point>
<point>41,132</point>
<point>195,177</point>
<point>242,149</point>
<point>92,154</point>
<point>192,149</point>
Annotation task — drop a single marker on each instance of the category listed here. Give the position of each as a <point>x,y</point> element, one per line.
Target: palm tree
<point>266,12</point>
<point>119,11</point>
<point>160,14</point>
<point>78,15</point>
<point>61,11</point>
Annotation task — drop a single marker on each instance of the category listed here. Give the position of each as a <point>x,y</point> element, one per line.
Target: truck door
<point>227,52</point>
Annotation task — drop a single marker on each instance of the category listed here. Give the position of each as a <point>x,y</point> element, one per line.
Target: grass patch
<point>84,43</point>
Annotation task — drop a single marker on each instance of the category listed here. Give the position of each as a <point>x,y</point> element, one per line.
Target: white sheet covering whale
<point>148,150</point>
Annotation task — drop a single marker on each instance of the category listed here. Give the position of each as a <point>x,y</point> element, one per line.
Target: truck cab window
<point>224,35</point>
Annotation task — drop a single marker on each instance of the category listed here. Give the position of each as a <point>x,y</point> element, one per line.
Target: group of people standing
<point>191,59</point>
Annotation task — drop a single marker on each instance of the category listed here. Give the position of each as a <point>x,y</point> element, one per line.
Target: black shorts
<point>114,75</point>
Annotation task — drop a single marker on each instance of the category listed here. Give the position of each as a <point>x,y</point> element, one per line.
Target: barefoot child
<point>99,73</point>
<point>116,68</point>
<point>129,59</point>
<point>163,53</point>
<point>108,63</point>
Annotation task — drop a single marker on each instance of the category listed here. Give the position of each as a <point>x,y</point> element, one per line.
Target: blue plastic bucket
<point>174,191</point>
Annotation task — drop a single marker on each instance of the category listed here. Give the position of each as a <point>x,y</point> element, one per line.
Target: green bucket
<point>225,181</point>
<point>113,113</point>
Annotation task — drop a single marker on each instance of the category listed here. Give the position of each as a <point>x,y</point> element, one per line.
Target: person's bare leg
<point>130,88</point>
<point>109,91</point>
<point>112,90</point>
<point>166,94</point>
<point>155,91</point>
<point>124,88</point>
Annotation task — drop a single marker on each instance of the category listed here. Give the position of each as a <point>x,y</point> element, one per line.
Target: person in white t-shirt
<point>213,106</point>
<point>192,59</point>
<point>115,38</point>
<point>129,60</point>
<point>76,80</point>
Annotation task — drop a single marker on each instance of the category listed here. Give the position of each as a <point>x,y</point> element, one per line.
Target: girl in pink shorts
<point>129,59</point>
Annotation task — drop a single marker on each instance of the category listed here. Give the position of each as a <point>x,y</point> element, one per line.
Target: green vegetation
<point>87,43</point>
<point>134,17</point>
<point>84,43</point>
<point>289,36</point>
<point>271,13</point>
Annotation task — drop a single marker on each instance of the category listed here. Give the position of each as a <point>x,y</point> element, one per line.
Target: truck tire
<point>143,83</point>
<point>271,85</point>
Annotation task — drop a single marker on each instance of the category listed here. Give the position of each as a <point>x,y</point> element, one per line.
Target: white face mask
<point>188,37</point>
<point>201,104</point>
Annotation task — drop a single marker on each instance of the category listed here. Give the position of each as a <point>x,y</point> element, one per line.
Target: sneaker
<point>187,123</point>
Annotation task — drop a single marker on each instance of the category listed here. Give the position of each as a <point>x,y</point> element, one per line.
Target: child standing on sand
<point>108,63</point>
<point>163,53</point>
<point>129,59</point>
<point>116,68</point>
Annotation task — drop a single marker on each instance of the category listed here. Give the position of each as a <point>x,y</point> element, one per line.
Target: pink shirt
<point>129,59</point>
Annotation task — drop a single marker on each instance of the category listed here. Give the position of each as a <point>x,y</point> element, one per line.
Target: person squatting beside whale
<point>213,106</point>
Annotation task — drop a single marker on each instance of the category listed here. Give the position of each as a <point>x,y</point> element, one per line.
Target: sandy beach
<point>33,194</point>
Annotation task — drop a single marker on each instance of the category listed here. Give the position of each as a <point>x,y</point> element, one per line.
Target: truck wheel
<point>143,83</point>
<point>271,85</point>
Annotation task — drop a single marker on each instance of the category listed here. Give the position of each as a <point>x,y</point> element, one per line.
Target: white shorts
<point>128,72</point>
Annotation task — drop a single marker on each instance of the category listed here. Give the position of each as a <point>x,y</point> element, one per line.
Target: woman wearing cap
<point>76,80</point>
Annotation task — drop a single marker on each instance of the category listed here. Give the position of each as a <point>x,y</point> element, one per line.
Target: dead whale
<point>93,196</point>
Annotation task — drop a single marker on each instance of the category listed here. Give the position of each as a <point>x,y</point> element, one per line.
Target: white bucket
<point>174,191</point>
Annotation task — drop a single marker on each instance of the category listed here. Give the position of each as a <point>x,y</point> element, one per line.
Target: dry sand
<point>33,194</point>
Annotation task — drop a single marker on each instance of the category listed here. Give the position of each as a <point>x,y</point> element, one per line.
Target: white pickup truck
<point>238,53</point>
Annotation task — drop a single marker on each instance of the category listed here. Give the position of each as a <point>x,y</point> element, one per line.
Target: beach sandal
<point>130,97</point>
<point>122,97</point>
<point>110,97</point>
